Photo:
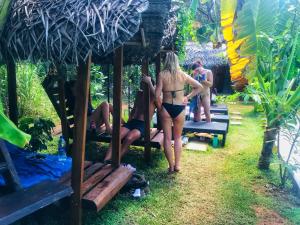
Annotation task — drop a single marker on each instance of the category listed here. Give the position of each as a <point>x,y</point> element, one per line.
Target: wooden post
<point>117,106</point>
<point>78,151</point>
<point>12,90</point>
<point>157,72</point>
<point>62,103</point>
<point>146,94</point>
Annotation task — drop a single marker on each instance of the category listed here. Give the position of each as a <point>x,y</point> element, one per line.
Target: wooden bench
<point>203,127</point>
<point>156,138</point>
<point>100,183</point>
<point>19,204</point>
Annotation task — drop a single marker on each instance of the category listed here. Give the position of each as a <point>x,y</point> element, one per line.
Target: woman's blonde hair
<point>171,63</point>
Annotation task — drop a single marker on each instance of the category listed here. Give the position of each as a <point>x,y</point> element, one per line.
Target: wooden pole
<point>117,106</point>
<point>78,151</point>
<point>12,90</point>
<point>157,72</point>
<point>62,103</point>
<point>146,94</point>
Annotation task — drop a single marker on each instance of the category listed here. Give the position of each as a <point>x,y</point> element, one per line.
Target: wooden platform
<point>203,127</point>
<point>24,202</point>
<point>100,183</point>
<point>156,139</point>
<point>219,110</point>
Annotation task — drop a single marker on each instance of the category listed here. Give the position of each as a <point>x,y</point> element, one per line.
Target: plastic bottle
<point>215,141</point>
<point>62,156</point>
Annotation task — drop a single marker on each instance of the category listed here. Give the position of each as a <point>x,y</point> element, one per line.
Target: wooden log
<point>117,106</point>
<point>96,178</point>
<point>10,175</point>
<point>146,94</point>
<point>157,72</point>
<point>12,90</point>
<point>107,189</point>
<point>78,151</point>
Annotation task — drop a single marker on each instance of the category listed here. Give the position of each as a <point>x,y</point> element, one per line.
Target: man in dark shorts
<point>135,127</point>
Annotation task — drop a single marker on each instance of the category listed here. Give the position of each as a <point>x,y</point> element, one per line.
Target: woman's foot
<point>176,169</point>
<point>171,170</point>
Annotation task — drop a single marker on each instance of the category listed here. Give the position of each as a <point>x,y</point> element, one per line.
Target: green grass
<point>221,186</point>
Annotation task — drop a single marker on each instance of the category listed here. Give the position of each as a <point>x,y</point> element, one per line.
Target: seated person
<point>98,119</point>
<point>135,127</point>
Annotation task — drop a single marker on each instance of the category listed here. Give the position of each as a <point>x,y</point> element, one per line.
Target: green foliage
<point>208,15</point>
<point>97,83</point>
<point>40,131</point>
<point>32,99</point>
<point>185,29</point>
<point>3,88</point>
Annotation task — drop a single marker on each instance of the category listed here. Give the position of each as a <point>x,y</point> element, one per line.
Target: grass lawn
<point>221,186</point>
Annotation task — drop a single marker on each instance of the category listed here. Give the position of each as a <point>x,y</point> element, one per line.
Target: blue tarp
<point>35,168</point>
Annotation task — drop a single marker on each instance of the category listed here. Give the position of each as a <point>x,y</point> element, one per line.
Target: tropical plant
<point>268,42</point>
<point>40,131</point>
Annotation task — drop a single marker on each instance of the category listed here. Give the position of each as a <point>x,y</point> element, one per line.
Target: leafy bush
<point>40,131</point>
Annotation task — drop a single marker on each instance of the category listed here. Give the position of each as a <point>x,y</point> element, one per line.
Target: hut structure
<point>80,32</point>
<point>213,59</point>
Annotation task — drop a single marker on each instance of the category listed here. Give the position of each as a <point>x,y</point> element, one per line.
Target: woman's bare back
<point>173,87</point>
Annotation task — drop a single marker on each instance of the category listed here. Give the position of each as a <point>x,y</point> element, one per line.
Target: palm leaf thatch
<point>154,22</point>
<point>209,56</point>
<point>170,31</point>
<point>66,30</point>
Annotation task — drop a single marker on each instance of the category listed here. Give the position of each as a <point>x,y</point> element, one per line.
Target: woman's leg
<point>101,116</point>
<point>166,122</point>
<point>123,132</point>
<point>132,136</point>
<point>178,123</point>
<point>206,106</point>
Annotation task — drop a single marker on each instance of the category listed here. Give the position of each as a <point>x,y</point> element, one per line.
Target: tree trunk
<point>268,144</point>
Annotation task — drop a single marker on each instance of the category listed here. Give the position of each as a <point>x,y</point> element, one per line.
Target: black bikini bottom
<point>173,110</point>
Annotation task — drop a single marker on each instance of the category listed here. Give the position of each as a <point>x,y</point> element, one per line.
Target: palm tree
<point>264,46</point>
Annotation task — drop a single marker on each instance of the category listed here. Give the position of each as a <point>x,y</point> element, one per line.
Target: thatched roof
<point>154,23</point>
<point>210,56</point>
<point>170,31</point>
<point>66,30</point>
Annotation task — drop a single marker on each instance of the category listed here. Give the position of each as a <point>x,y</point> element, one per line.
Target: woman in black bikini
<point>172,110</point>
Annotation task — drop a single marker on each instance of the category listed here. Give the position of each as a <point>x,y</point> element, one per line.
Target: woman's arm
<point>197,87</point>
<point>158,91</point>
<point>210,80</point>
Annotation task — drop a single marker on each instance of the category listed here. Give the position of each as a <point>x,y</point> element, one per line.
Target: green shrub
<point>40,131</point>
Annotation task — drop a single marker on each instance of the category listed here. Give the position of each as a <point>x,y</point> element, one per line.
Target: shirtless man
<point>205,77</point>
<point>135,127</point>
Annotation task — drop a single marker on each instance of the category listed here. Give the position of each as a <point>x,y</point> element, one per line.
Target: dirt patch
<point>268,217</point>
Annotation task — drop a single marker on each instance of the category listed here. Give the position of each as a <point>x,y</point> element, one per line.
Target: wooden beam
<point>143,38</point>
<point>117,106</point>
<point>62,104</point>
<point>78,151</point>
<point>146,94</point>
<point>157,72</point>
<point>12,90</point>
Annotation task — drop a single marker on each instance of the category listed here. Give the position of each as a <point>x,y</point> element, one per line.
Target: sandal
<point>107,162</point>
